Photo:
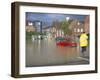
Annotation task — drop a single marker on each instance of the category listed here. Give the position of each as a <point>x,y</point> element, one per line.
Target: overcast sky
<point>48,18</point>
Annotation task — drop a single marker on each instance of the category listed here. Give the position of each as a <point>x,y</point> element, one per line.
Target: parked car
<point>37,37</point>
<point>66,43</point>
<point>59,38</point>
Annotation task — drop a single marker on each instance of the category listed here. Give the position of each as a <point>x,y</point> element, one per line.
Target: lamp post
<point>67,18</point>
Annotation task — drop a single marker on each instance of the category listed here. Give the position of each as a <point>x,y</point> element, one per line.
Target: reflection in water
<point>46,53</point>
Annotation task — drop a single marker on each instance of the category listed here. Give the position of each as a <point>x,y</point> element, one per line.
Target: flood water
<point>47,53</point>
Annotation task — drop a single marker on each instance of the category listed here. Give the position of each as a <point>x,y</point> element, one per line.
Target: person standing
<point>83,42</point>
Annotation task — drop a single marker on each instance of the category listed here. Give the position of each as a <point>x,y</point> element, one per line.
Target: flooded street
<point>47,53</point>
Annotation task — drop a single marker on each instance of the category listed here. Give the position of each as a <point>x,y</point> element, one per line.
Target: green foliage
<point>29,34</point>
<point>65,27</point>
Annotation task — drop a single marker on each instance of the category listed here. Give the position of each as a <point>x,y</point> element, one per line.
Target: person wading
<point>83,42</point>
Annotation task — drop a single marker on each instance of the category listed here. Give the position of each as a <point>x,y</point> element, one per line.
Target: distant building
<point>38,26</point>
<point>54,31</point>
<point>57,32</point>
<point>86,24</point>
<point>33,26</point>
<point>76,27</point>
<point>30,27</point>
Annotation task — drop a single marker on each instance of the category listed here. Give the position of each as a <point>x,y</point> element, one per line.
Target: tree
<point>56,24</point>
<point>65,27</point>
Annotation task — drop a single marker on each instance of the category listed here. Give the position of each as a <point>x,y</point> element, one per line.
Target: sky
<point>48,18</point>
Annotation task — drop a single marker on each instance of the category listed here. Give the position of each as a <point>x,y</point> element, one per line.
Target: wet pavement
<point>47,53</point>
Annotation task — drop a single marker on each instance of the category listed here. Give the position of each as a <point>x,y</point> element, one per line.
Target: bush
<point>29,34</point>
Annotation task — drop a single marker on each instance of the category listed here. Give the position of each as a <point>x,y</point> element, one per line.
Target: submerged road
<point>46,53</point>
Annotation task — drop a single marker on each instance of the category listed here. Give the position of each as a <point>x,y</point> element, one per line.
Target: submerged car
<point>66,43</point>
<point>59,38</point>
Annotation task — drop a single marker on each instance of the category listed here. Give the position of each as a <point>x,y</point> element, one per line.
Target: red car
<point>66,43</point>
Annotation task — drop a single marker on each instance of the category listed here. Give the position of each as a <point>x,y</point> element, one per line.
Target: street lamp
<point>30,23</point>
<point>67,18</point>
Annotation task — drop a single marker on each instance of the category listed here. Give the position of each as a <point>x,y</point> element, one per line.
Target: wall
<point>5,40</point>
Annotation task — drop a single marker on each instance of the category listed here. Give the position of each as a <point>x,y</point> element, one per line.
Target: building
<point>30,27</point>
<point>38,26</point>
<point>55,32</point>
<point>34,26</point>
<point>86,24</point>
<point>76,27</point>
